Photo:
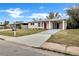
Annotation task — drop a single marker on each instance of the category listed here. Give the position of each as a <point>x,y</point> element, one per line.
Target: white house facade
<point>48,24</point>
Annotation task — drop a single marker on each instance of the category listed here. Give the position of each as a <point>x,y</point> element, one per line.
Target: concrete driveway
<point>34,40</point>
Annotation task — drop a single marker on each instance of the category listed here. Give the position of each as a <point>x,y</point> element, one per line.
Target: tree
<point>18,22</point>
<point>53,15</point>
<point>73,13</point>
<point>34,19</point>
<point>5,24</point>
<point>40,18</point>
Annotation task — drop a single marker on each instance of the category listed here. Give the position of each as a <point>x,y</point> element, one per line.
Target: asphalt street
<point>13,49</point>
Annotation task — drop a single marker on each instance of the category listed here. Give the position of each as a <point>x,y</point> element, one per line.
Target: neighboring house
<point>20,25</point>
<point>24,25</point>
<point>48,24</point>
<point>1,26</point>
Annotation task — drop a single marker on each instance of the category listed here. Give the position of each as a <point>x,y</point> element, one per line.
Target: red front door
<point>45,27</point>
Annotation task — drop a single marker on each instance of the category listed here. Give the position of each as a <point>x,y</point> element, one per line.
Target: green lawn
<point>20,32</point>
<point>68,37</point>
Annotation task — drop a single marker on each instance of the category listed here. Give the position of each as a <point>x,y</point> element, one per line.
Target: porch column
<point>55,25</point>
<point>63,24</point>
<point>41,25</point>
<point>49,25</point>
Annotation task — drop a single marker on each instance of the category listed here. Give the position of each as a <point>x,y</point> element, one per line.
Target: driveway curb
<point>73,50</point>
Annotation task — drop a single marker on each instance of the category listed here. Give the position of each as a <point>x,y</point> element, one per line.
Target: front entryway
<point>55,25</point>
<point>45,25</point>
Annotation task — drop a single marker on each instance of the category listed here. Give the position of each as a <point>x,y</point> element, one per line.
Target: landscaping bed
<point>21,32</point>
<point>69,37</point>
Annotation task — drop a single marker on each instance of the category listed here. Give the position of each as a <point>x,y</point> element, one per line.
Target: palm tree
<point>53,15</point>
<point>56,15</point>
<point>40,18</point>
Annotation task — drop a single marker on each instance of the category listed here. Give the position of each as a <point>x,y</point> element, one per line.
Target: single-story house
<point>19,25</point>
<point>48,24</point>
<point>24,25</point>
<point>1,26</point>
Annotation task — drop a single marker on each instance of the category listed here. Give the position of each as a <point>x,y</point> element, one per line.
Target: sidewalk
<point>34,40</point>
<point>73,50</point>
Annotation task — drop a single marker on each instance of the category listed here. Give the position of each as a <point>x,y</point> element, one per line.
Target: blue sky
<point>26,11</point>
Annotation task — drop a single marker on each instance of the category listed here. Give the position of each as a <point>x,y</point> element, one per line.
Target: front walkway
<point>35,40</point>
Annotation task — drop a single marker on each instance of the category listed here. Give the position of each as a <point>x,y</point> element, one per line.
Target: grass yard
<point>68,37</point>
<point>21,32</point>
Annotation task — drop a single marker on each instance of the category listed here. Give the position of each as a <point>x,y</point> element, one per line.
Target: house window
<point>32,23</point>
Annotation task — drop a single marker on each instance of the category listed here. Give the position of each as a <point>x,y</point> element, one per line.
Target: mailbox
<point>14,27</point>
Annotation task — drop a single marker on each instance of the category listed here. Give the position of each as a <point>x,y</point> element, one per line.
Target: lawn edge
<point>71,50</point>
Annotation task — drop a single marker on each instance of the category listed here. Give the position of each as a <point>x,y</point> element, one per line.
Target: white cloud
<point>66,9</point>
<point>41,7</point>
<point>38,15</point>
<point>74,6</point>
<point>60,14</point>
<point>63,16</point>
<point>15,13</point>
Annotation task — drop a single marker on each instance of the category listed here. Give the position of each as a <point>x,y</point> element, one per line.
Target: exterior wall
<point>34,26</point>
<point>55,25</point>
<point>52,25</point>
<point>49,25</point>
<point>60,25</point>
<point>41,24</point>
